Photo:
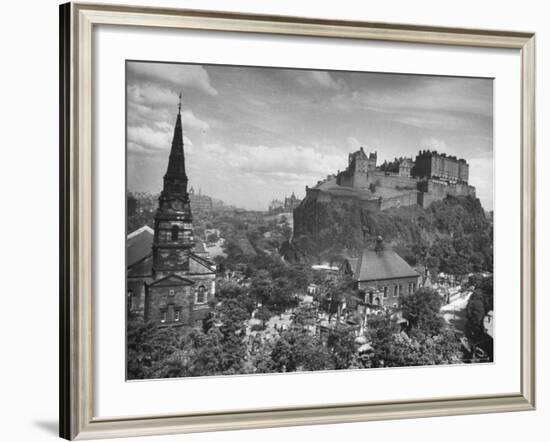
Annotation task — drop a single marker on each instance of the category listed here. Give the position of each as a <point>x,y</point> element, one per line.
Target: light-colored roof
<point>384,264</point>
<point>139,244</point>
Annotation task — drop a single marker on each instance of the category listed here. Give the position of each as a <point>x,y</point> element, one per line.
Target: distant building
<point>288,205</point>
<point>200,203</point>
<point>383,275</point>
<point>170,278</point>
<point>291,202</point>
<point>276,206</point>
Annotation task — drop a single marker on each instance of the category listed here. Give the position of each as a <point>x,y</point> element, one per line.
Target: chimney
<point>379,244</point>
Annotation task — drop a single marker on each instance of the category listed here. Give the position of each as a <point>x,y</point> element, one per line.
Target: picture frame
<point>77,23</point>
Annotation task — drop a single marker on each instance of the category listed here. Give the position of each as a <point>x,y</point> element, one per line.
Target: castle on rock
<point>404,182</point>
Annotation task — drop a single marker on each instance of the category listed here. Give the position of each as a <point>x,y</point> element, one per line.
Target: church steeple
<point>175,179</point>
<point>173,220</point>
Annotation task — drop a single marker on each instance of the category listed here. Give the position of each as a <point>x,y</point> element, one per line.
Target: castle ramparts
<point>430,177</point>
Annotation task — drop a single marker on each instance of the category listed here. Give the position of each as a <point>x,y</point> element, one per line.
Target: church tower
<point>173,239</point>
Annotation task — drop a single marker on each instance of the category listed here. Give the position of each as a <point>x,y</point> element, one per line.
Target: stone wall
<point>172,304</point>
<point>386,292</point>
<point>433,190</point>
<point>393,180</point>
<point>407,198</point>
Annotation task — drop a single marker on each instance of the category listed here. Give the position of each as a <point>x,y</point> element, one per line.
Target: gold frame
<point>77,21</point>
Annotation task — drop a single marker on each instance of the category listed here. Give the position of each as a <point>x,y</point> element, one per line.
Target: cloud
<point>172,76</point>
<point>299,160</point>
<point>144,139</point>
<point>433,144</point>
<point>319,78</point>
<point>481,176</point>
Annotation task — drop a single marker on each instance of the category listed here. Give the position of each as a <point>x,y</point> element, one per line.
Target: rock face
<point>329,230</point>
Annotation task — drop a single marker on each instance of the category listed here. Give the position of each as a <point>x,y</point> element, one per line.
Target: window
<point>400,289</point>
<point>201,295</point>
<point>175,233</point>
<point>163,316</point>
<point>177,315</point>
<point>395,290</point>
<point>172,292</point>
<point>414,286</point>
<point>385,292</point>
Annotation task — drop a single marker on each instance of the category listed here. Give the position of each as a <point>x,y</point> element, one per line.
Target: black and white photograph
<point>282,220</point>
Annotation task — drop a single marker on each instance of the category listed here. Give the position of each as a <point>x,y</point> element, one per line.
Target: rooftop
<point>384,264</point>
<point>139,244</point>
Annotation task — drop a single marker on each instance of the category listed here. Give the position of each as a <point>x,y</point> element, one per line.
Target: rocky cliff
<point>450,235</point>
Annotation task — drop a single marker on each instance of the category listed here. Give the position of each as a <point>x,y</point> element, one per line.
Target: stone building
<point>291,202</point>
<point>176,278</point>
<point>200,203</point>
<point>383,276</point>
<point>434,165</point>
<point>430,177</point>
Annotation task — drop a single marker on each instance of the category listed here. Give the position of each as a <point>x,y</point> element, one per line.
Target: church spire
<point>175,179</point>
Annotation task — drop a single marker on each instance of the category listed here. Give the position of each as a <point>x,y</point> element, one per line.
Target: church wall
<point>163,301</point>
<point>169,299</point>
<point>374,290</point>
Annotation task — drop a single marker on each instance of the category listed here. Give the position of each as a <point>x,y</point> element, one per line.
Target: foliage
<point>421,310</point>
<point>453,235</point>
<point>395,348</point>
<point>299,350</point>
<point>342,347</point>
<point>479,304</point>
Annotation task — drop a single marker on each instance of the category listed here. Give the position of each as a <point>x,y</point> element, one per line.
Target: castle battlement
<point>431,176</point>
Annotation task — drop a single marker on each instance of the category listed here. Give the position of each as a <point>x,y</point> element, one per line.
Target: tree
<point>479,304</point>
<point>228,289</point>
<point>395,348</point>
<point>263,314</point>
<point>422,311</point>
<point>261,287</point>
<point>149,346</point>
<point>298,350</point>
<point>342,347</point>
<point>381,331</point>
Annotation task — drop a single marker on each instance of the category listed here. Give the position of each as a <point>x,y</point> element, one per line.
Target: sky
<point>255,134</point>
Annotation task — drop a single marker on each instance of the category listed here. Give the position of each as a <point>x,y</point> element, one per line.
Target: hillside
<point>452,235</point>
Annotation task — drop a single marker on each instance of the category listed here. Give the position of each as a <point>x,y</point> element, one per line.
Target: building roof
<point>384,264</point>
<point>138,245</point>
<point>200,247</point>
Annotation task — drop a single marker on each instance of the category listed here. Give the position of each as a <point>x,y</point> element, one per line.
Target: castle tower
<point>173,221</point>
<point>371,162</point>
<point>358,166</point>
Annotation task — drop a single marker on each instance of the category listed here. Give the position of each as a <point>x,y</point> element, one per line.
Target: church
<point>170,278</point>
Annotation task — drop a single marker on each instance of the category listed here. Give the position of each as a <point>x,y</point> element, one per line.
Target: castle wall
<point>408,198</point>
<point>328,198</point>
<point>384,179</point>
<point>432,190</point>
